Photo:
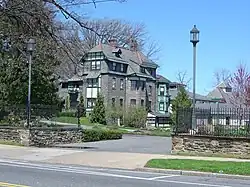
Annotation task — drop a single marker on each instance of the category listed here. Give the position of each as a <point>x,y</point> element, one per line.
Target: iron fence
<point>233,122</point>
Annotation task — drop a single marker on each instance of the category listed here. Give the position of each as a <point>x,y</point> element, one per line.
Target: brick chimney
<point>133,45</point>
<point>113,42</point>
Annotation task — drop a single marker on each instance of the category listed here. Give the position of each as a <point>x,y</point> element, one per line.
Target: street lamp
<point>194,39</point>
<point>30,47</point>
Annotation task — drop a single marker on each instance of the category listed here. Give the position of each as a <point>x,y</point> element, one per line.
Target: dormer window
<point>117,52</point>
<point>114,66</point>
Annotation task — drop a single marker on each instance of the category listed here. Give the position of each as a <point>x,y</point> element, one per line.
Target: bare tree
<point>183,78</point>
<point>222,75</point>
<point>80,40</point>
<point>240,83</point>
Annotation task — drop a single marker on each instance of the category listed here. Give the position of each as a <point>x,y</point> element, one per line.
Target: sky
<point>224,33</point>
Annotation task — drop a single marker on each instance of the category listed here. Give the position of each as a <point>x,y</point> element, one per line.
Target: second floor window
<point>96,65</point>
<point>113,83</point>
<point>143,84</point>
<point>162,91</point>
<point>122,68</point>
<point>114,66</point>
<point>92,83</point>
<point>133,84</point>
<point>121,84</point>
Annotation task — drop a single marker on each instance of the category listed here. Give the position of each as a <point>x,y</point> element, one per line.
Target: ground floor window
<point>161,106</point>
<point>91,102</point>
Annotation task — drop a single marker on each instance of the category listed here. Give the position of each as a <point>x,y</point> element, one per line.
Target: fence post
<point>176,120</point>
<point>78,116</point>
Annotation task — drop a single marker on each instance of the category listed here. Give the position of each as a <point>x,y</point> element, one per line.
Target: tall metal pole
<point>29,90</point>
<point>194,82</point>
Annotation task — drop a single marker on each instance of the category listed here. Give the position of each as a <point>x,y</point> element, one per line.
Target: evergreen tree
<point>182,101</point>
<point>98,113</point>
<point>81,107</point>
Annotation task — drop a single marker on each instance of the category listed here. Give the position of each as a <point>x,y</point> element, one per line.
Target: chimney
<point>133,45</point>
<point>113,42</point>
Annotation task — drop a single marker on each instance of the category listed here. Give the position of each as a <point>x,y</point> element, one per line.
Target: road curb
<point>194,173</point>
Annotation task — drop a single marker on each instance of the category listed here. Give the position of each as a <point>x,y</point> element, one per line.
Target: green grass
<point>5,142</point>
<point>213,155</point>
<point>236,168</point>
<point>64,119</point>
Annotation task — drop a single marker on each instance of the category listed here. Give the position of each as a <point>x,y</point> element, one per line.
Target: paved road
<point>130,144</point>
<point>40,175</point>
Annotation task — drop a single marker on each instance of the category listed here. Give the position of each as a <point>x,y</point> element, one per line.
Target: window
<point>132,102</point>
<point>121,84</point>
<point>90,102</point>
<point>143,84</point>
<point>122,67</point>
<point>94,56</point>
<point>142,102</point>
<point>92,83</point>
<point>228,89</point>
<point>113,102</point>
<point>114,66</point>
<point>113,83</point>
<point>161,106</point>
<point>64,85</point>
<point>133,84</point>
<point>162,91</point>
<point>142,70</point>
<point>121,102</point>
<point>150,90</point>
<point>95,65</point>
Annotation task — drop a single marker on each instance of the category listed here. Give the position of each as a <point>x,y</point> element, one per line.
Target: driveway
<point>129,144</point>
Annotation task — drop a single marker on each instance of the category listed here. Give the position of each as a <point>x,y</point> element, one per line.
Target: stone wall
<point>202,144</point>
<point>41,137</point>
<point>45,137</point>
<point>14,134</point>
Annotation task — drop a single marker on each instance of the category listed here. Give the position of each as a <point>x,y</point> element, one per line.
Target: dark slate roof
<point>219,94</point>
<point>162,79</point>
<point>133,58</point>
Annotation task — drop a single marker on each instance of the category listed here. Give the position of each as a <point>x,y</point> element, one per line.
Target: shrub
<point>91,135</point>
<point>67,114</point>
<point>135,117</point>
<point>81,107</point>
<point>98,113</point>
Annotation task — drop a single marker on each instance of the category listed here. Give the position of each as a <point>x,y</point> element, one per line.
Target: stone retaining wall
<point>41,137</point>
<point>203,144</point>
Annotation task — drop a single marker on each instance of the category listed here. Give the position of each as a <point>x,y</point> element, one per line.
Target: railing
<point>233,122</point>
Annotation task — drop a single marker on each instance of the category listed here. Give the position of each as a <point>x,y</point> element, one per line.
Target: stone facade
<point>41,137</point>
<point>202,144</point>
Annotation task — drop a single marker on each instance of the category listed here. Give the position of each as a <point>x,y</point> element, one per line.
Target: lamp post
<point>194,39</point>
<point>30,47</point>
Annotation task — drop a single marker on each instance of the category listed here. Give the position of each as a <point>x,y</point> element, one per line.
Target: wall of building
<point>203,144</point>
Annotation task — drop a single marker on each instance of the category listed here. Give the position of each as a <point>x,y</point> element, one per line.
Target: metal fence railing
<point>233,122</point>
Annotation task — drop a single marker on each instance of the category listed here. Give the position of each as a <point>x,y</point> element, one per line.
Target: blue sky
<point>224,33</point>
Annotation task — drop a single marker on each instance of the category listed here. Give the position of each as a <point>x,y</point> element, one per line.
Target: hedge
<point>91,135</point>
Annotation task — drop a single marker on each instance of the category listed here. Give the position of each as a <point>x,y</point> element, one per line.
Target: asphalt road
<point>18,174</point>
<point>130,144</point>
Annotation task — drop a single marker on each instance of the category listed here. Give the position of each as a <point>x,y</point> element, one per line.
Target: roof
<point>162,79</point>
<point>218,93</point>
<point>134,59</point>
<point>75,78</point>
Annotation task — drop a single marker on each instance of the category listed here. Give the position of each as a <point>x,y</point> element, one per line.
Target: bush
<point>91,135</point>
<point>67,114</point>
<point>135,117</point>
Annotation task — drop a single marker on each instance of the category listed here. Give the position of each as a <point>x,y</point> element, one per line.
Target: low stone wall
<point>45,137</point>
<point>41,137</point>
<point>204,144</point>
<point>14,134</point>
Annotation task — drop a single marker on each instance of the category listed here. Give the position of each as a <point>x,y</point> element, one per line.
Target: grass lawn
<point>236,168</point>
<point>64,119</point>
<point>213,155</point>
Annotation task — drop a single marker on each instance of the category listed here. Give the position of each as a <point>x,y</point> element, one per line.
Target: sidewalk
<point>91,158</point>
